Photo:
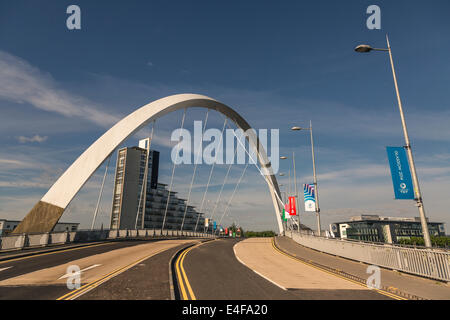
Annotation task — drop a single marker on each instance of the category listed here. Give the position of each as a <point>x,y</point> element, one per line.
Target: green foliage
<point>441,242</point>
<point>260,234</point>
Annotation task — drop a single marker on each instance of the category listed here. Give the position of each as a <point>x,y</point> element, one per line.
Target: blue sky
<point>277,64</point>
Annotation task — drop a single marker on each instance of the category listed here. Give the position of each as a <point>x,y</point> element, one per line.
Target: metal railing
<point>23,241</point>
<point>425,262</point>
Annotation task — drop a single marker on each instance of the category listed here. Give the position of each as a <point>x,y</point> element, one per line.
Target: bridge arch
<point>47,212</point>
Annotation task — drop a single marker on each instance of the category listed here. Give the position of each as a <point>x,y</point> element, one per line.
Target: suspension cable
<point>212,169</point>
<point>144,182</point>
<point>254,162</point>
<point>101,192</point>
<point>234,191</point>
<point>173,170</point>
<point>195,169</point>
<point>223,185</point>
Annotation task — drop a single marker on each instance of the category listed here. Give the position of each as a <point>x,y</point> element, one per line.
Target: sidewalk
<point>417,286</point>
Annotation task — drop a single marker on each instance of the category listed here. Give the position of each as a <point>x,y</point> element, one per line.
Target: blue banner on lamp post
<point>400,172</point>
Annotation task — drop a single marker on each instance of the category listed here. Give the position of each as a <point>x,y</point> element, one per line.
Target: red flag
<point>292,208</point>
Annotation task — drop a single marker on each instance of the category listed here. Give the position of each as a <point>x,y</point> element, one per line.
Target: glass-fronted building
<point>374,228</point>
<point>132,191</point>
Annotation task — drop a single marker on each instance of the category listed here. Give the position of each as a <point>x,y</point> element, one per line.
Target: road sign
<point>401,175</point>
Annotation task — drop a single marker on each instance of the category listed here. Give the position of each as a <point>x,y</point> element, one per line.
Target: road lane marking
<point>259,274</point>
<point>92,285</point>
<point>3,269</point>
<point>71,274</point>
<point>181,274</point>
<point>391,295</point>
<point>54,252</point>
<point>181,279</point>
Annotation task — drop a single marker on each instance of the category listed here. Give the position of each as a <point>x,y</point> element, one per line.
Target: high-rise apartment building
<point>133,191</point>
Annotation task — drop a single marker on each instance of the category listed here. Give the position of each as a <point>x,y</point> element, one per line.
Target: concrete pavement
<point>413,285</point>
<point>50,282</point>
<point>304,281</point>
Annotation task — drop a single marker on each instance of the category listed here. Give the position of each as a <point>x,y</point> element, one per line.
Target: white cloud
<point>35,138</point>
<point>21,82</point>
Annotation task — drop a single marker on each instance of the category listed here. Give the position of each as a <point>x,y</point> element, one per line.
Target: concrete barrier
<point>90,235</point>
<point>36,240</point>
<point>113,234</point>
<point>13,242</point>
<point>123,233</point>
<point>157,233</point>
<point>150,233</point>
<point>132,233</point>
<point>142,233</point>
<point>72,235</point>
<point>58,237</point>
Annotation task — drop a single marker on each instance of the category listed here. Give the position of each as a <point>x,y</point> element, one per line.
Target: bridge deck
<point>305,281</point>
<point>421,287</point>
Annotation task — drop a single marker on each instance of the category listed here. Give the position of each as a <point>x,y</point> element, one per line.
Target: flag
<point>309,196</point>
<point>286,214</point>
<point>292,208</point>
<point>401,175</point>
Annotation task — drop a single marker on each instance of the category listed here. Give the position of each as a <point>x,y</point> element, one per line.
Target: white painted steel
<point>73,179</point>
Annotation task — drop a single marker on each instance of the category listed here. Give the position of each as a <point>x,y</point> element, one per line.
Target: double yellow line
<point>88,287</point>
<point>185,286</point>
<point>388,294</point>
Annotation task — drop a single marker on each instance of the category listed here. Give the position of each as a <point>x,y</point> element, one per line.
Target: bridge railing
<point>430,263</point>
<point>30,240</point>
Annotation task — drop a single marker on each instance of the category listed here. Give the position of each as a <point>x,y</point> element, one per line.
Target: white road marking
<point>259,274</point>
<point>77,273</point>
<point>2,269</point>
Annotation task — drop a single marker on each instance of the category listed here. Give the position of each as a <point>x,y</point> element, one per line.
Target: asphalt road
<point>29,264</point>
<point>149,280</point>
<point>38,277</point>
<point>215,273</point>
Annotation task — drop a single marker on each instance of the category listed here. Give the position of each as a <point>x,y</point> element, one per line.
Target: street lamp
<point>316,191</point>
<point>295,188</point>
<point>418,195</point>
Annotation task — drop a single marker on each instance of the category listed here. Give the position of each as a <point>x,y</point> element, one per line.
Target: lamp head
<point>363,48</point>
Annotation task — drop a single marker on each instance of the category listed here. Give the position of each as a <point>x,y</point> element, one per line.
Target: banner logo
<point>310,198</point>
<point>401,175</point>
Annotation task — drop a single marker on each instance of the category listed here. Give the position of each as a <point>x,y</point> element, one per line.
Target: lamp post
<point>295,188</point>
<point>316,191</point>
<point>418,195</point>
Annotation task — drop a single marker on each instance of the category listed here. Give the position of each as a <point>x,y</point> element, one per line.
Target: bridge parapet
<point>21,241</point>
<point>425,262</point>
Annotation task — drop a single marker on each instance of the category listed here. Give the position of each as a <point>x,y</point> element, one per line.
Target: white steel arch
<point>46,213</point>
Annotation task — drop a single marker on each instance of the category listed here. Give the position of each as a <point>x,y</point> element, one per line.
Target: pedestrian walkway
<point>303,280</point>
<point>409,284</point>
